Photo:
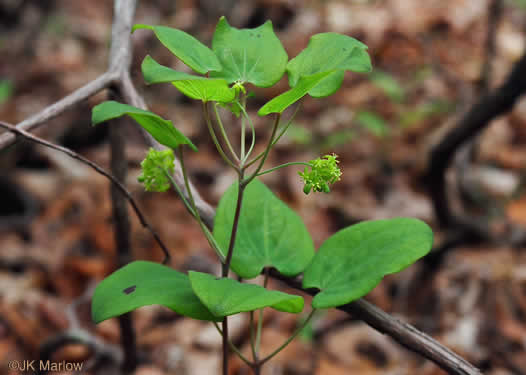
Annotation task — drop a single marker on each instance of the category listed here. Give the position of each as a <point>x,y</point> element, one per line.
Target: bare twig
<point>59,107</point>
<point>98,169</point>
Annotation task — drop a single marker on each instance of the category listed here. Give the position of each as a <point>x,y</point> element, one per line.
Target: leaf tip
<point>141,26</point>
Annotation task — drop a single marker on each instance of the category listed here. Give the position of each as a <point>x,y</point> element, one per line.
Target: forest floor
<point>56,238</point>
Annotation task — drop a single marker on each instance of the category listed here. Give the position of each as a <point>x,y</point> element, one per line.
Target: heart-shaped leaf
<point>225,297</point>
<point>329,52</point>
<point>269,233</point>
<point>190,50</point>
<point>162,130</point>
<point>144,283</point>
<point>195,87</point>
<point>283,101</point>
<point>353,261</point>
<point>249,55</point>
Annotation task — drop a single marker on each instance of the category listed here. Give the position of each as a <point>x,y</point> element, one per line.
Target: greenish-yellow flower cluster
<point>156,168</point>
<point>323,171</point>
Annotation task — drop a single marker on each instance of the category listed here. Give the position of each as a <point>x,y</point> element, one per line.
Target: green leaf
<point>283,101</point>
<point>144,283</point>
<point>206,90</point>
<point>269,233</point>
<point>160,129</point>
<point>249,55</point>
<point>187,48</point>
<point>195,87</point>
<point>223,296</point>
<point>329,52</point>
<point>154,72</point>
<point>353,261</point>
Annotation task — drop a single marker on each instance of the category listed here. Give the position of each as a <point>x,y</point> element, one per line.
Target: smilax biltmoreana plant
<point>253,230</point>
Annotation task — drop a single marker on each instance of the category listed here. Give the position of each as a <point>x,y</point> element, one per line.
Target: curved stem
<point>283,130</point>
<point>225,136</point>
<point>234,348</point>
<point>287,125</point>
<point>187,204</point>
<point>193,209</point>
<point>252,338</point>
<point>242,105</point>
<point>253,130</point>
<point>265,154</point>
<point>282,166</point>
<point>296,333</point>
<point>214,138</point>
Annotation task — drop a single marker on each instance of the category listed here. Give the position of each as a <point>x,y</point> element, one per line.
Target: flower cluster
<point>155,170</point>
<point>323,171</point>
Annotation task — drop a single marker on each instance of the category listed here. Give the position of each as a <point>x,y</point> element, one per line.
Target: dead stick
<point>98,169</point>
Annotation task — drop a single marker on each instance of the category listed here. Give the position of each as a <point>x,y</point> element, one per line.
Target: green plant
<point>254,230</point>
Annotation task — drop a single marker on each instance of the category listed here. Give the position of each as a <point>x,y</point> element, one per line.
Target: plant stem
<point>225,136</point>
<point>260,318</point>
<point>234,348</point>
<point>267,150</point>
<point>237,214</point>
<point>214,138</point>
<point>252,337</point>
<point>298,330</point>
<point>226,265</point>
<point>252,129</point>
<point>242,105</point>
<point>283,130</point>
<point>283,165</point>
<point>192,207</point>
<point>225,345</point>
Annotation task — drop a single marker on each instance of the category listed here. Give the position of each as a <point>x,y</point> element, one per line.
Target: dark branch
<point>98,169</point>
<point>59,107</point>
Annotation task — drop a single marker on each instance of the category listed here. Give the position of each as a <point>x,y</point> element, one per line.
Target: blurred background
<point>432,61</point>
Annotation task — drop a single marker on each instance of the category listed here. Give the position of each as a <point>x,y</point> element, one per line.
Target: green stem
<point>234,348</point>
<point>252,337</point>
<point>253,130</point>
<point>214,138</point>
<point>283,130</point>
<point>225,136</point>
<point>180,193</point>
<point>192,207</point>
<point>282,166</point>
<point>260,319</point>
<point>242,105</point>
<point>298,330</point>
<point>267,150</point>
